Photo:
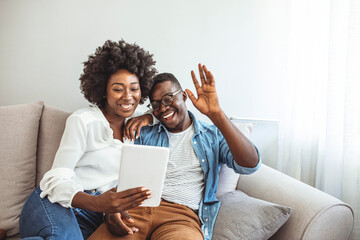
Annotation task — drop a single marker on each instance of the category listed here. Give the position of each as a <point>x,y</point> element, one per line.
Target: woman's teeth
<point>126,106</point>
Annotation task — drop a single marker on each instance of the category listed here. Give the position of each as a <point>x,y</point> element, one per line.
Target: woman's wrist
<point>86,201</point>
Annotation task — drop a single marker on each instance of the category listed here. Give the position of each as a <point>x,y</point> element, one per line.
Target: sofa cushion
<point>227,177</point>
<point>19,126</point>
<point>52,126</point>
<point>243,217</point>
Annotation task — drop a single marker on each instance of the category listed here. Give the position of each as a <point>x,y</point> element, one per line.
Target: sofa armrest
<point>315,214</point>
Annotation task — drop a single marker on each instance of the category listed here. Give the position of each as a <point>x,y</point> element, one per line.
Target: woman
<point>80,187</point>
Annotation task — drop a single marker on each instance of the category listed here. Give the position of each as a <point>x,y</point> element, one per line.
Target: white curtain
<point>320,124</point>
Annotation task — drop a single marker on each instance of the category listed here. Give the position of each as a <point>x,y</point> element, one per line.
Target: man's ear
<point>184,96</point>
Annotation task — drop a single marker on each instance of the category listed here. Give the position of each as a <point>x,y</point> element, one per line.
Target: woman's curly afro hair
<point>110,58</point>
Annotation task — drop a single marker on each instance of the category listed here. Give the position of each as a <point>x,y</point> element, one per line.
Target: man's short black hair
<point>163,77</point>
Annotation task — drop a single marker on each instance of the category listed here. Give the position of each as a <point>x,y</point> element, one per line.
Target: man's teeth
<point>169,115</point>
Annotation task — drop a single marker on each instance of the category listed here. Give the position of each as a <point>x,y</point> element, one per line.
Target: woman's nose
<point>127,94</point>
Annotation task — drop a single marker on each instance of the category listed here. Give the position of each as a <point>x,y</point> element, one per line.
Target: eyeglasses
<point>166,100</point>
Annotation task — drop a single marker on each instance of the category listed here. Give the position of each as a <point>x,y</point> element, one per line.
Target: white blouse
<point>88,158</point>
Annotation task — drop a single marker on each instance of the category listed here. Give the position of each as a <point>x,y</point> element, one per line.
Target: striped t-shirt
<point>184,182</point>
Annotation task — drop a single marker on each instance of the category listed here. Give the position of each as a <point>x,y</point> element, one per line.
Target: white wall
<point>243,42</point>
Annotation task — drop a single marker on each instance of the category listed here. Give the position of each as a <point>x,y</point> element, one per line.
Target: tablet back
<point>143,166</point>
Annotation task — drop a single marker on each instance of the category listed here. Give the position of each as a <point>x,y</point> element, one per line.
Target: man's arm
<point>207,103</point>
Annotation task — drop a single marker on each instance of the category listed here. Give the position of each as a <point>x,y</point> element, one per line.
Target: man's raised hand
<point>207,101</point>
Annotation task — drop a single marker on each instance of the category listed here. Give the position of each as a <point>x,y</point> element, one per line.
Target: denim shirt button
<point>202,160</point>
<point>206,220</point>
<point>92,191</point>
<point>195,142</point>
<point>205,208</point>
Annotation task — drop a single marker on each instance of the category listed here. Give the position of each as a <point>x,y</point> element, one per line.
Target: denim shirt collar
<point>198,127</point>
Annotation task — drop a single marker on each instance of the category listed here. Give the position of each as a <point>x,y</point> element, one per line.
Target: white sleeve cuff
<point>59,186</point>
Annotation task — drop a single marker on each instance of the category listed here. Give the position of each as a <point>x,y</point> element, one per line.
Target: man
<point>189,206</point>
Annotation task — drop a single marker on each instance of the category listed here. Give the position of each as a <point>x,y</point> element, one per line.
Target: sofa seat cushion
<point>245,217</point>
<point>19,126</point>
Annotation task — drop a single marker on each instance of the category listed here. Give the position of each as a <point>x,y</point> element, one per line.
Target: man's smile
<point>168,116</point>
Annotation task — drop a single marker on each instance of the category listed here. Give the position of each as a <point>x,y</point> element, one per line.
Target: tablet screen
<point>143,166</point>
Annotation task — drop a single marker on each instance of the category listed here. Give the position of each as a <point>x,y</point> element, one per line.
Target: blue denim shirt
<point>211,150</point>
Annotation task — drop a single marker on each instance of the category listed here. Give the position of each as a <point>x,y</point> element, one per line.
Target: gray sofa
<point>30,135</point>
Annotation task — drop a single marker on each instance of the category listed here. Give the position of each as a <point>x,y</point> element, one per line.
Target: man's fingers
<point>202,77</point>
<point>209,77</point>
<point>205,70</point>
<point>196,83</point>
<point>191,96</point>
<point>126,216</point>
<point>115,226</point>
<point>122,225</point>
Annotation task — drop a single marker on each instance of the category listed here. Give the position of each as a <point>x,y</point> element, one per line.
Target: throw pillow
<point>245,217</point>
<point>19,126</point>
<point>227,177</point>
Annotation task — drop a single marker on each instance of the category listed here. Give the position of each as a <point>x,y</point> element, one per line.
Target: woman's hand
<point>116,223</point>
<point>134,125</point>
<point>207,102</point>
<point>116,202</point>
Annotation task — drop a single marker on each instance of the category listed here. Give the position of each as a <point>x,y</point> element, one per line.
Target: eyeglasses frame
<point>162,102</point>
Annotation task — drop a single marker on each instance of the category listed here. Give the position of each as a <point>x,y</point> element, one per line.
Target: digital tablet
<point>143,166</point>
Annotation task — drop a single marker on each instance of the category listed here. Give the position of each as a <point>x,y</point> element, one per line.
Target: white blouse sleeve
<point>58,184</point>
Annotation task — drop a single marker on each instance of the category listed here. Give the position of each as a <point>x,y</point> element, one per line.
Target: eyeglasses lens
<point>166,100</point>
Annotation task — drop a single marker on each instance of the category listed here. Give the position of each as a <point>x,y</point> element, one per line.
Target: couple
<point>78,194</point>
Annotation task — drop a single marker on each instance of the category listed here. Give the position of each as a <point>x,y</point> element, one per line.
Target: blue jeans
<point>41,219</point>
